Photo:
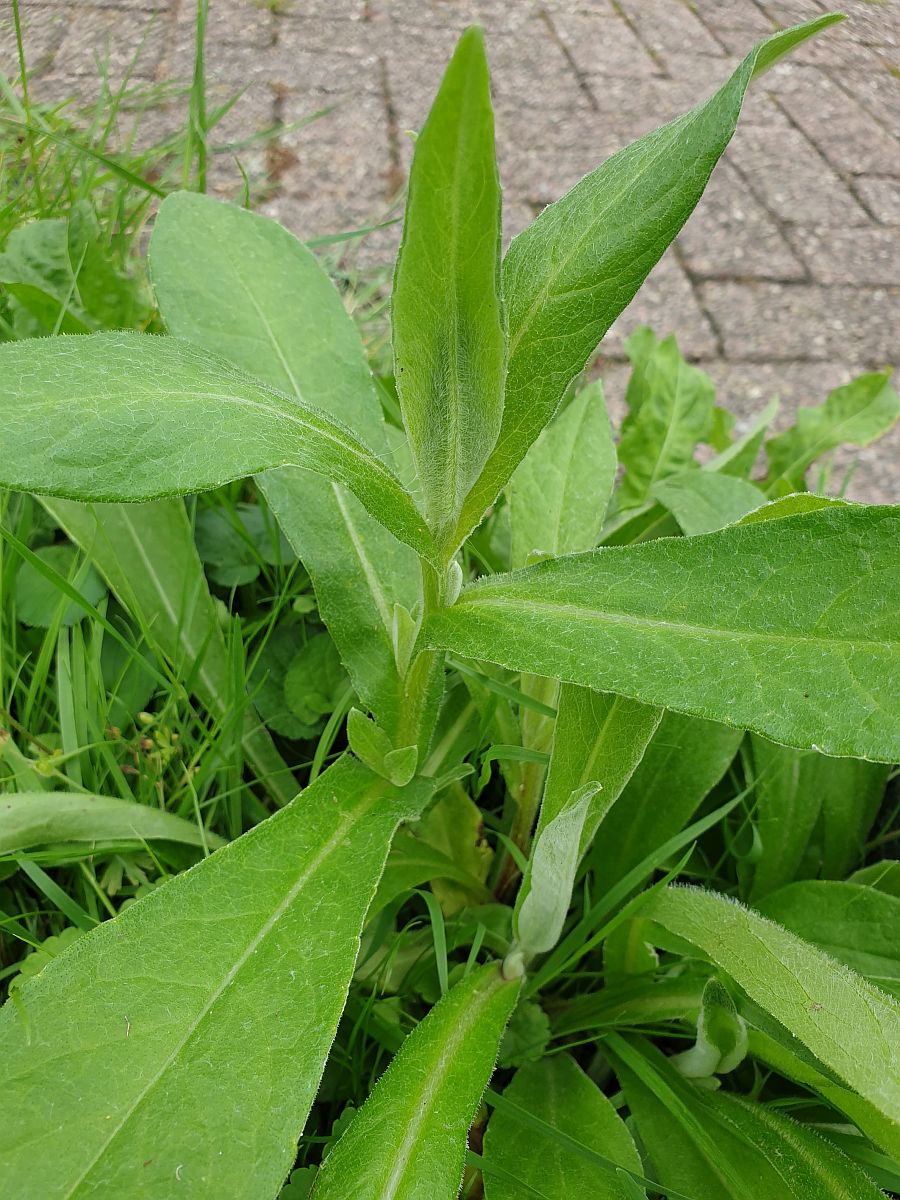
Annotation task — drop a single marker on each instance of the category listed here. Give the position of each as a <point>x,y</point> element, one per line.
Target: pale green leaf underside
<point>786,627</point>
<point>31,819</point>
<point>408,1141</point>
<point>242,286</point>
<point>128,416</point>
<point>234,971</point>
<point>569,275</point>
<point>448,337</point>
<point>848,1024</point>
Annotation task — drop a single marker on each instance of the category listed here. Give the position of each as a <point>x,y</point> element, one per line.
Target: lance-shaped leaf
<point>241,286</point>
<point>558,1093</point>
<point>32,819</point>
<point>129,416</point>
<point>799,642</point>
<point>701,501</point>
<point>234,971</point>
<point>569,275</point>
<point>146,553</point>
<point>409,1138</point>
<point>449,343</point>
<point>846,1022</point>
<point>597,737</point>
<point>559,493</point>
<point>722,1147</point>
<point>857,413</point>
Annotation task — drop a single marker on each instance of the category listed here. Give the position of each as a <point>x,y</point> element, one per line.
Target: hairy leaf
<point>702,501</point>
<point>449,343</point>
<point>241,286</point>
<point>857,925</point>
<point>800,644</point>
<point>850,1025</point>
<point>409,1138</point>
<point>570,274</point>
<point>157,416</point>
<point>236,970</point>
<point>722,1147</point>
<point>559,1093</point>
<point>559,493</point>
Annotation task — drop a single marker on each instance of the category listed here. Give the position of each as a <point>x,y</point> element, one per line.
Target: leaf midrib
<point>346,823</point>
<point>580,612</point>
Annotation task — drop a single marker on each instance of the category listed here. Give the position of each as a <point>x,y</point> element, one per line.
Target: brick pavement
<point>786,279</point>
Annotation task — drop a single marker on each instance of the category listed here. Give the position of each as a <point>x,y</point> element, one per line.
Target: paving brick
<point>603,47</point>
<point>832,120</point>
<point>774,321</point>
<point>669,27</point>
<point>882,196</point>
<point>42,31</point>
<point>879,92</point>
<point>124,42</point>
<point>237,23</point>
<point>731,235</point>
<point>792,179</point>
<point>667,303</point>
<point>839,256</point>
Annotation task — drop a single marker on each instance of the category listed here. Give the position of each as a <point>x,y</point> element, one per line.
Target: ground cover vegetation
<point>588,887</point>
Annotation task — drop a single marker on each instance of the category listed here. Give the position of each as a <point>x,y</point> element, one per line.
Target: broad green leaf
<point>559,492</point>
<point>147,555</point>
<point>804,1069</point>
<point>546,888</point>
<point>557,1091</point>
<point>455,826</point>
<point>408,1141</point>
<point>234,971</point>
<point>32,819</point>
<point>412,862</point>
<point>857,413</point>
<point>448,336</point>
<point>686,757</point>
<point>723,1147</point>
<point>857,925</point>
<point>851,1026</point>
<point>675,413</point>
<point>597,738</point>
<point>796,791</point>
<point>157,416</point>
<point>570,274</point>
<point>799,644</point>
<point>702,501</point>
<point>243,287</point>
<point>740,457</point>
<point>884,875</point>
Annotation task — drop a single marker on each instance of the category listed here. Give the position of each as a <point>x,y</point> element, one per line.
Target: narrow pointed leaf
<point>800,644</point>
<point>146,553</point>
<point>408,1141</point>
<point>559,493</point>
<point>236,970</point>
<point>32,819</point>
<point>283,320</point>
<point>851,1026</point>
<point>597,737</point>
<point>558,1092</point>
<point>857,413</point>
<point>722,1147</point>
<point>156,416</point>
<point>570,274</point>
<point>448,337</point>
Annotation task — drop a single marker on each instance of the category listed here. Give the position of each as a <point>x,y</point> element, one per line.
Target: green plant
<point>183,1042</point>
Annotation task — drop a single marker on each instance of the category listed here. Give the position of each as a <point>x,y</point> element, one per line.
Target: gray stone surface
<point>787,278</point>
